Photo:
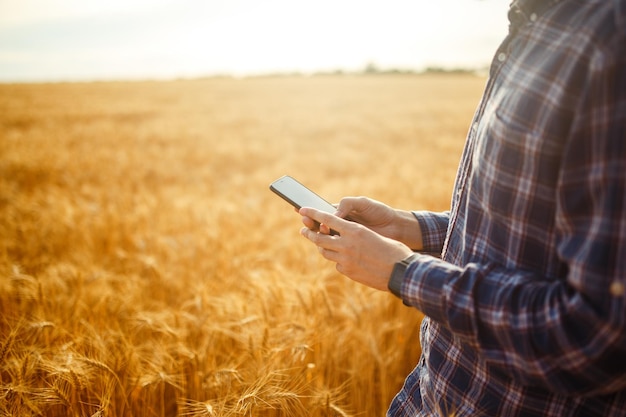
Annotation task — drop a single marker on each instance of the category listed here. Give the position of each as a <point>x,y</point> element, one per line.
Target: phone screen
<point>299,196</point>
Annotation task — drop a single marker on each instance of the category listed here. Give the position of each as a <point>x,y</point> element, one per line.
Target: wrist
<point>409,231</point>
<point>396,279</point>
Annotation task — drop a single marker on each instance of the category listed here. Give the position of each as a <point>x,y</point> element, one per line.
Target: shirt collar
<point>524,11</point>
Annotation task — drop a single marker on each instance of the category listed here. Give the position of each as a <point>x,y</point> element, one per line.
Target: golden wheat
<point>146,270</point>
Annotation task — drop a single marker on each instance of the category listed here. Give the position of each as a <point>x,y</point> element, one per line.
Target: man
<point>526,309</point>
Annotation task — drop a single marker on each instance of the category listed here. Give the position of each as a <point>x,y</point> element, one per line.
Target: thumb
<point>346,206</point>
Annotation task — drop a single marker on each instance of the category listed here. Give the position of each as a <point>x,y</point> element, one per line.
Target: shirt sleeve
<point>566,335</point>
<point>434,227</point>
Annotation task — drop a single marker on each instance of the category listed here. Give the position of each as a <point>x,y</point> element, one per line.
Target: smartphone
<point>300,196</point>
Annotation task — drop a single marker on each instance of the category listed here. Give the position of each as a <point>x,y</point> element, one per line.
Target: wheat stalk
<point>197,409</point>
<point>6,346</point>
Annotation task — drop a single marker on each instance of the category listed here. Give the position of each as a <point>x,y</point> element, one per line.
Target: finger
<point>330,220</point>
<point>320,239</point>
<point>324,229</point>
<point>345,206</point>
<point>331,255</point>
<point>350,207</point>
<point>310,223</point>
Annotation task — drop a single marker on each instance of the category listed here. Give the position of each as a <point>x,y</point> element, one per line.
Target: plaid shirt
<point>526,309</point>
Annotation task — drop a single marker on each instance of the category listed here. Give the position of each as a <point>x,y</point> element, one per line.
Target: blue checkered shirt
<point>526,309</point>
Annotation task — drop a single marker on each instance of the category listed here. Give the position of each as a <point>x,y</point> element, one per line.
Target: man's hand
<point>398,225</point>
<point>359,252</point>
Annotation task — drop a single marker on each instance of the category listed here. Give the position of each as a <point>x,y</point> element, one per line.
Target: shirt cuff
<point>434,227</point>
<point>425,284</point>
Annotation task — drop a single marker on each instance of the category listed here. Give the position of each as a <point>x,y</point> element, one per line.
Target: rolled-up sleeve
<point>434,227</point>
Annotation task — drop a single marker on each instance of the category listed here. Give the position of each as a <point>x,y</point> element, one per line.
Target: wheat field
<point>147,270</point>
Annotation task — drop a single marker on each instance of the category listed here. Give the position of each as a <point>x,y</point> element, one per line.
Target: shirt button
<point>617,289</point>
<point>501,57</point>
<point>533,17</point>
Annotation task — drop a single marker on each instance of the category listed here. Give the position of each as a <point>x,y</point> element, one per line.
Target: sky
<point>84,40</point>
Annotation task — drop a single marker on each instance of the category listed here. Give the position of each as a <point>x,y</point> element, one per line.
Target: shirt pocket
<point>512,199</point>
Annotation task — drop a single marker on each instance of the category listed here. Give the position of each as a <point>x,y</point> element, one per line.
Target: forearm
<point>408,230</point>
